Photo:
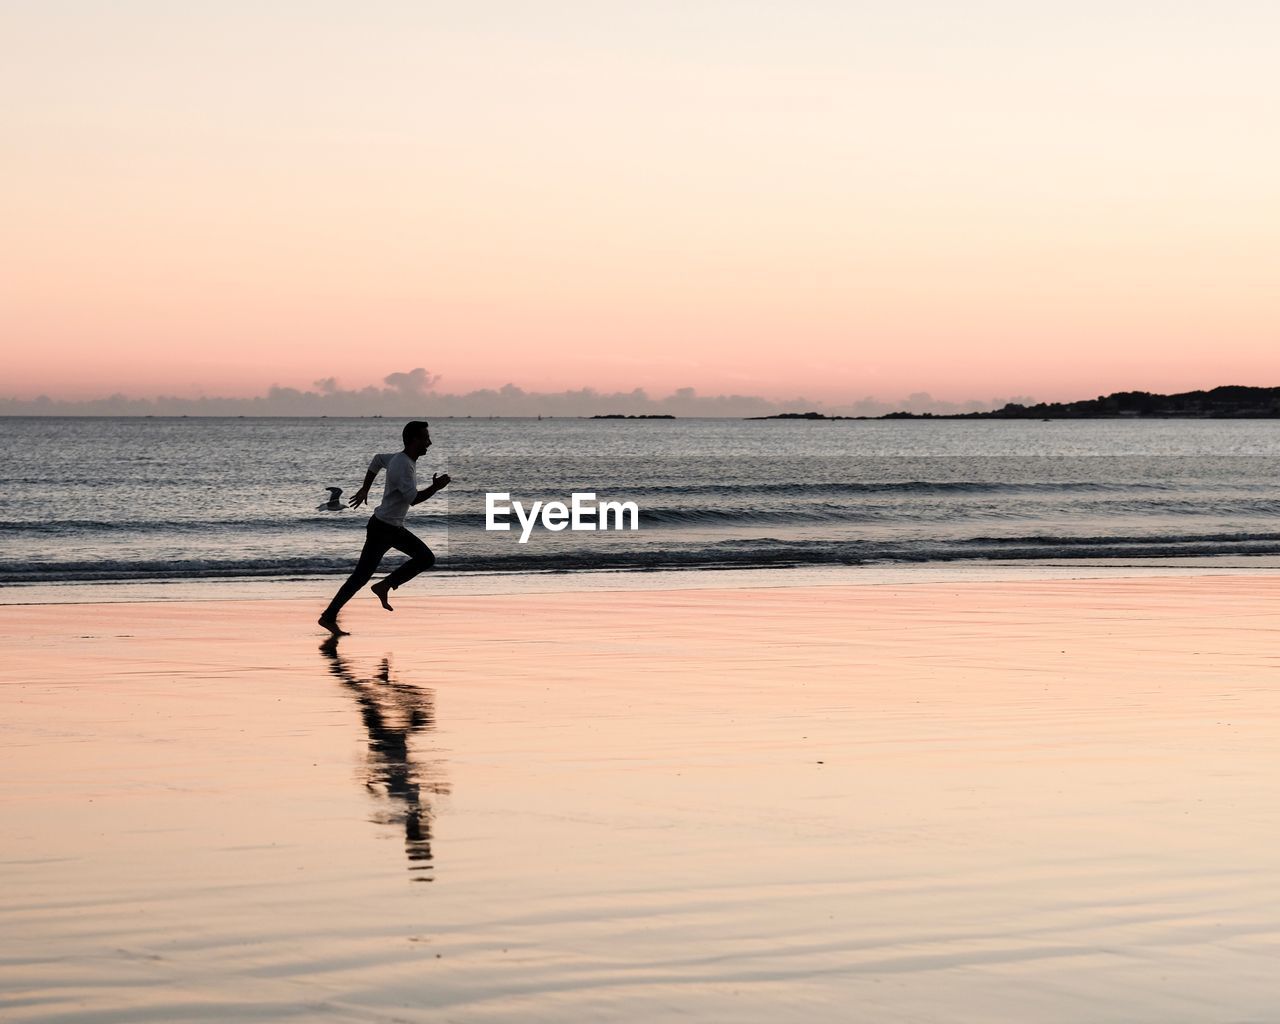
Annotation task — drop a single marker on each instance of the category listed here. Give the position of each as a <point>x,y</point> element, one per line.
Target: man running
<point>386,528</point>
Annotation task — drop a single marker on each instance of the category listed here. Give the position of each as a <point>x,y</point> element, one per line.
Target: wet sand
<point>1032,801</point>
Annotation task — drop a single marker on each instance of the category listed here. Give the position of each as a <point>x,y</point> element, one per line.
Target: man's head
<point>417,437</point>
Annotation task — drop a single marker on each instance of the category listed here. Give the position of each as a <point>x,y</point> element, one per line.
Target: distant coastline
<point>1226,402</point>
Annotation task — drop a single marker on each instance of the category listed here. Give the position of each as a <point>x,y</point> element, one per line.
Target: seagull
<point>333,504</point>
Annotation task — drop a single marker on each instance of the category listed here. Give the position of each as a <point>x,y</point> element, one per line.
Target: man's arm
<point>362,495</point>
<point>438,483</point>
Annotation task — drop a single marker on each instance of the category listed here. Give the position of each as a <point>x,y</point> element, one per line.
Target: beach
<point>682,513</point>
<point>959,799</point>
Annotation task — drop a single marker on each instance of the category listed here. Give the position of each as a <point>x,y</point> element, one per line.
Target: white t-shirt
<point>400,487</point>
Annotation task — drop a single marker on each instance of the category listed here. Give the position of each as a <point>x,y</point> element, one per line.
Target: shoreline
<point>269,588</point>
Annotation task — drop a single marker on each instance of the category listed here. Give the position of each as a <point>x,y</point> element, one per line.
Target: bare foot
<point>382,590</point>
<point>332,626</point>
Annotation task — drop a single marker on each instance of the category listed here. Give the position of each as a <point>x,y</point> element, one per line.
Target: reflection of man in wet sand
<point>392,713</point>
<point>386,527</point>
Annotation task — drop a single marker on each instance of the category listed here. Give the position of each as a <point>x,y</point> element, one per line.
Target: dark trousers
<point>379,538</point>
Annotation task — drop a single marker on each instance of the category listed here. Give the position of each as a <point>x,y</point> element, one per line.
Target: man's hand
<point>359,498</point>
<point>439,481</point>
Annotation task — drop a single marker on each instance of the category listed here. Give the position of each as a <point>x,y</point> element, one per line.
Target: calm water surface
<point>137,499</point>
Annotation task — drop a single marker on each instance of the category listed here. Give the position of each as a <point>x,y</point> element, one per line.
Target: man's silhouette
<point>386,527</point>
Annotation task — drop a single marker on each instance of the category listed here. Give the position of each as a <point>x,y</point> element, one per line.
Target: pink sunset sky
<point>829,199</point>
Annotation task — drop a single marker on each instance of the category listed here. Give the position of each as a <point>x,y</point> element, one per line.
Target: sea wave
<point>135,525</point>
<point>699,514</point>
<point>771,487</point>
<point>765,552</point>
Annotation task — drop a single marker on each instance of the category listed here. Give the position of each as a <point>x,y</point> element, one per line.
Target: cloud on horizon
<point>413,393</point>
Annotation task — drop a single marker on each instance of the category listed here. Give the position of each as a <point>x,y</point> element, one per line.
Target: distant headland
<point>1227,402</point>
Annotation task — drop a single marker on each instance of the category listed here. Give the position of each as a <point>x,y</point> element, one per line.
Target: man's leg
<point>420,559</point>
<point>376,543</point>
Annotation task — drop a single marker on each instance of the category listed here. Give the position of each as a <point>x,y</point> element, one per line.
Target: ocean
<point>128,499</point>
